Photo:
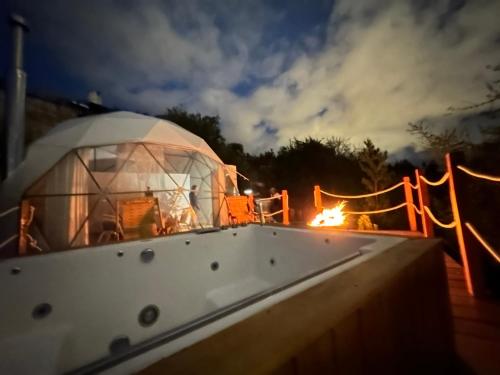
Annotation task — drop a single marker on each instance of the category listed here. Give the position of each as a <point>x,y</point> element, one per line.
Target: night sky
<point>272,70</point>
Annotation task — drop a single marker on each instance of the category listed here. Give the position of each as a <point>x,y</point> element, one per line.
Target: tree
<point>439,144</point>
<point>453,139</point>
<point>492,97</point>
<point>206,127</point>
<point>373,163</point>
<point>298,166</point>
<point>402,168</point>
<point>331,163</point>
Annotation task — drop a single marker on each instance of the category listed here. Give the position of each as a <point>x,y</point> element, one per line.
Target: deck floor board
<point>476,324</point>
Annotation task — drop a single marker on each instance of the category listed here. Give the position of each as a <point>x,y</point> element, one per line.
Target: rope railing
<point>269,198</point>
<point>416,209</point>
<point>362,195</point>
<point>273,213</point>
<point>8,240</point>
<point>235,171</point>
<point>441,181</point>
<point>9,211</point>
<point>451,225</point>
<point>478,175</point>
<point>242,176</point>
<point>284,210</point>
<point>483,242</point>
<point>408,201</point>
<point>473,271</point>
<point>376,211</point>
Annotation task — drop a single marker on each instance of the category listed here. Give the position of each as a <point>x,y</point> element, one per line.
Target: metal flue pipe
<point>15,100</point>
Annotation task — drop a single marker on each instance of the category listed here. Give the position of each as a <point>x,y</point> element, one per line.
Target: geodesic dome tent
<point>118,176</point>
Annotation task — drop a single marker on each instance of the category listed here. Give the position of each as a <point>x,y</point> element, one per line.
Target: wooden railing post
<point>317,199</point>
<point>24,214</point>
<point>469,251</point>
<point>423,200</point>
<point>262,218</point>
<point>284,201</point>
<point>412,219</point>
<point>251,207</point>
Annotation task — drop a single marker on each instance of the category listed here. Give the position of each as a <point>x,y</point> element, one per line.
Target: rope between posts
<point>363,195</point>
<point>270,198</point>
<point>436,183</point>
<point>416,209</point>
<point>10,239</point>
<point>478,175</point>
<point>451,225</point>
<point>414,187</point>
<point>238,173</point>
<point>10,210</point>
<point>376,211</point>
<point>273,213</point>
<point>483,242</point>
<point>242,176</point>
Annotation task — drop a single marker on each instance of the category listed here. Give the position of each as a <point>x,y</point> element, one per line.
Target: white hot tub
<point>80,311</point>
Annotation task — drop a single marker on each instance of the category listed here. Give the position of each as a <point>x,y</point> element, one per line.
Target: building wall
<point>42,114</point>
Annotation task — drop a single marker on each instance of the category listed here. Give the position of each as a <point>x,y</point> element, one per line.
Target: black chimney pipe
<point>15,100</point>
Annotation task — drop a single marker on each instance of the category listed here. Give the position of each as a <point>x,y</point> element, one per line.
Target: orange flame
<point>330,217</point>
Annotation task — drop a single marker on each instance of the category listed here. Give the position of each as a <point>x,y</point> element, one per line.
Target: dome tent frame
<point>151,136</point>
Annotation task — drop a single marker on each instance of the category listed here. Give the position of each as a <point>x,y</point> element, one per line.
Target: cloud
<point>382,67</point>
<point>130,51</point>
<point>357,70</point>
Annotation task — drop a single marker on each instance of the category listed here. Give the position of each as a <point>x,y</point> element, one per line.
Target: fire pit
<point>330,217</point>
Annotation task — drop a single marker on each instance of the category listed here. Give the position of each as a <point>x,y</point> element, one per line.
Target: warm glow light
<point>248,191</point>
<point>330,217</point>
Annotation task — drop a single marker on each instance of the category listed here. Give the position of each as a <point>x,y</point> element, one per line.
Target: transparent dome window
<point>97,195</point>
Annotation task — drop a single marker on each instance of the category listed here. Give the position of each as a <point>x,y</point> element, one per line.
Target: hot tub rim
<point>156,341</point>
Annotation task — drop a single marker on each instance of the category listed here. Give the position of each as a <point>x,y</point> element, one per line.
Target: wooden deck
<point>476,325</point>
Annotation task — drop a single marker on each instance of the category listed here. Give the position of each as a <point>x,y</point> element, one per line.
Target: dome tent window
<point>122,177</point>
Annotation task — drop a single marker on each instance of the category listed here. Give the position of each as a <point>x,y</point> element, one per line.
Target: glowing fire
<point>330,217</point>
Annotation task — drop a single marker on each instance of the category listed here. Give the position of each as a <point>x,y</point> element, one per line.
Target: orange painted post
<point>469,251</point>
<point>262,218</point>
<point>317,199</point>
<point>24,220</point>
<point>412,219</point>
<point>284,201</point>
<point>423,200</point>
<point>251,207</point>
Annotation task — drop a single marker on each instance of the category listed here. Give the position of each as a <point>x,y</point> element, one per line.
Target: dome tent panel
<point>61,222</point>
<point>116,128</point>
<point>68,133</point>
<point>69,176</point>
<point>97,188</point>
<point>87,217</point>
<point>175,136</point>
<point>95,131</point>
<point>104,161</point>
<point>140,171</point>
<point>171,159</point>
<point>231,180</point>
